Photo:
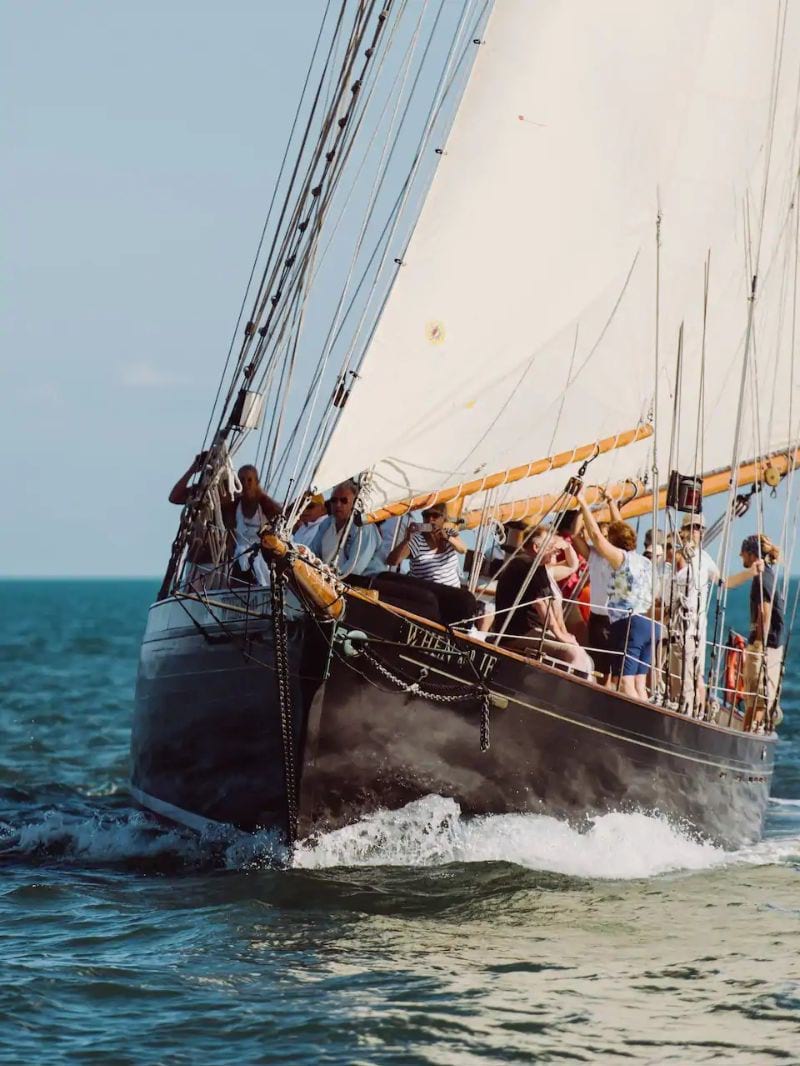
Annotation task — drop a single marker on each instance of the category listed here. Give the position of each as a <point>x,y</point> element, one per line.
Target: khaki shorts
<point>686,669</point>
<point>762,676</point>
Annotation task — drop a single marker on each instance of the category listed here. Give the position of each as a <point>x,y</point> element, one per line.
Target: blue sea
<point>414,937</point>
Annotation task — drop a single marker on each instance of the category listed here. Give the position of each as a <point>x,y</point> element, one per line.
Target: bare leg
<point>628,687</point>
<point>640,685</point>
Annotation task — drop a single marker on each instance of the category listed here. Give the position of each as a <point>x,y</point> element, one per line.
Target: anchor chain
<point>281,655</point>
<point>486,739</point>
<point>414,688</point>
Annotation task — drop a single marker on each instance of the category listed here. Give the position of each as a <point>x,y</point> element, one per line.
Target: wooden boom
<point>633,497</point>
<point>515,473</point>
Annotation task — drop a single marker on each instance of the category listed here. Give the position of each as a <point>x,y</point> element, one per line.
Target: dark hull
<point>206,737</point>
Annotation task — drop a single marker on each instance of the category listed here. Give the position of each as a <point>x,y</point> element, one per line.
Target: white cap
<point>693,519</point>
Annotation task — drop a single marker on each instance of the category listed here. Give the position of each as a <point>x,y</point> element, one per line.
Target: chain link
<point>281,655</point>
<point>414,688</point>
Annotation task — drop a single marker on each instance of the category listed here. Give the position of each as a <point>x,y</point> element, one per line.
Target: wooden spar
<point>720,481</point>
<point>632,496</point>
<point>535,507</point>
<point>315,586</point>
<point>506,477</point>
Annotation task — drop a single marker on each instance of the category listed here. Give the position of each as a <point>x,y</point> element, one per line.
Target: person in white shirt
<point>310,519</point>
<point>352,549</point>
<point>695,574</point>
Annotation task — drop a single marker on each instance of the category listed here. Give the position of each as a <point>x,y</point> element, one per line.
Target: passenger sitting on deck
<point>434,549</point>
<point>353,549</point>
<point>243,515</point>
<point>536,623</point>
<point>310,519</point>
<point>629,600</point>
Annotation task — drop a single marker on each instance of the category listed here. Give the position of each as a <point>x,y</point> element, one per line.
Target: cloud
<point>143,375</point>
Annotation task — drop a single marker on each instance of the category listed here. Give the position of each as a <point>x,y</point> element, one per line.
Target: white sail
<point>523,320</point>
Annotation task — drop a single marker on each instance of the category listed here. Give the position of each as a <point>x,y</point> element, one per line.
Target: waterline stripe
<point>175,814</point>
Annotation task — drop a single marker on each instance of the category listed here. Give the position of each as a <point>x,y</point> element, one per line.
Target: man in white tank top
<point>245,515</point>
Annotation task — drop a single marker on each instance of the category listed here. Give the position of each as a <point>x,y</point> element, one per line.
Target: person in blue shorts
<point>629,602</point>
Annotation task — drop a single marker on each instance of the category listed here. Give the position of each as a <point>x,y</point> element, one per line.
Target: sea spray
<point>433,831</point>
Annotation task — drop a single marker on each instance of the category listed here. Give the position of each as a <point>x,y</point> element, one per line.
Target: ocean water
<point>414,937</point>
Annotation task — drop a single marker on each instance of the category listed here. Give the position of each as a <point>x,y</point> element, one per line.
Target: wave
<point>433,832</point>
<point>427,833</point>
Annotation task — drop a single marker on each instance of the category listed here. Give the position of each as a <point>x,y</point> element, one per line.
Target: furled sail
<point>523,318</point>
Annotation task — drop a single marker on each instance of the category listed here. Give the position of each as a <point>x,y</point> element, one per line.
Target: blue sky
<point>140,141</point>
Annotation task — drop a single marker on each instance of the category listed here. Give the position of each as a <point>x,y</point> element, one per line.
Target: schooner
<point>509,245</point>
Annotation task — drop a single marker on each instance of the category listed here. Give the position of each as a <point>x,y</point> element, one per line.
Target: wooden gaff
<point>632,496</point>
<point>507,477</point>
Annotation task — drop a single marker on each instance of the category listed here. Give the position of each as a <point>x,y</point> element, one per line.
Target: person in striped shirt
<point>433,549</point>
<point>433,552</point>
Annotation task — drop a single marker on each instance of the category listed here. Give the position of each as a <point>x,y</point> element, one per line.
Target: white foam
<point>432,832</point>
<point>102,839</point>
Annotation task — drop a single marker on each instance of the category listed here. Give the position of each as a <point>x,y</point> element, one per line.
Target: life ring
<point>734,669</point>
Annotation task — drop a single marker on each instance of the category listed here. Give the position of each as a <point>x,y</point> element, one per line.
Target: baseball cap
<point>693,519</point>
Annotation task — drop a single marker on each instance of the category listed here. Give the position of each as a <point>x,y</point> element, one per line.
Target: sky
<point>139,145</point>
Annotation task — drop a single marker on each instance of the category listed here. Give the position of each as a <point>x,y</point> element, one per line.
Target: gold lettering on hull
<point>444,650</point>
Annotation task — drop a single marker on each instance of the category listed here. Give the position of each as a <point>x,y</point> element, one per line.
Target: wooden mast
<point>506,477</point>
<point>633,497</point>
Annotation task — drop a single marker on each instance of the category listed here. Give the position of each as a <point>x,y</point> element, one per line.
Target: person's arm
<point>268,505</point>
<point>180,490</point>
<point>553,619</point>
<point>402,549</point>
<point>579,538</point>
<point>454,540</point>
<point>762,621</point>
<point>570,564</point>
<point>613,556</point>
<point>613,509</point>
<point>735,580</point>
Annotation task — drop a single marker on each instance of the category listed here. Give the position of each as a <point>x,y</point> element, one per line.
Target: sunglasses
<point>340,499</point>
<point>428,515</point>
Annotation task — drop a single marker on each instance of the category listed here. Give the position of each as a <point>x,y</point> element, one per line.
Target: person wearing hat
<point>433,551</point>
<point>695,573</point>
<point>310,519</point>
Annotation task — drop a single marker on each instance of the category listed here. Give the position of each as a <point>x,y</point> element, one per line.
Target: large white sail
<point>523,320</point>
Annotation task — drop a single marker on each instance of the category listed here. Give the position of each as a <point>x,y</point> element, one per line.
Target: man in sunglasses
<point>354,550</point>
<point>696,573</point>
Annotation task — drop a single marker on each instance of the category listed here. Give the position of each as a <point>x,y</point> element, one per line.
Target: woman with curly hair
<point>629,602</point>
